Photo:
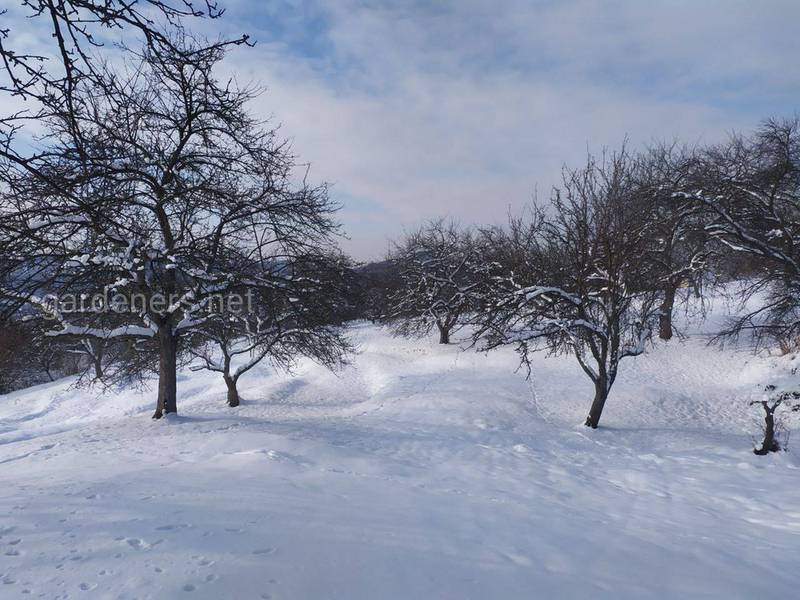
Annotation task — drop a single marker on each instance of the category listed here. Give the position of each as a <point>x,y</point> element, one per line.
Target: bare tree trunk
<point>233,393</point>
<point>665,318</point>
<point>47,359</point>
<point>167,373</point>
<point>444,333</point>
<point>600,395</point>
<point>770,444</point>
<point>98,366</point>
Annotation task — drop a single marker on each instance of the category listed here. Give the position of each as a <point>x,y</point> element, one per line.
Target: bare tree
<point>53,79</point>
<point>176,197</point>
<point>299,318</point>
<point>576,282</point>
<point>677,247</point>
<point>80,26</point>
<point>749,189</point>
<point>436,265</point>
<point>774,398</point>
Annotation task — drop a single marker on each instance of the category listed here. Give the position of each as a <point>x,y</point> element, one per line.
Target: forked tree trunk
<point>167,373</point>
<point>770,444</point>
<point>600,395</point>
<point>233,393</point>
<point>444,334</point>
<point>665,318</point>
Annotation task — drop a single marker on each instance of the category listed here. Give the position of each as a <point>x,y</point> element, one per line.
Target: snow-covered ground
<point>417,472</point>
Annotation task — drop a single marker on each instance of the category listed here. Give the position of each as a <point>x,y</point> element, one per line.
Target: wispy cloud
<point>413,109</point>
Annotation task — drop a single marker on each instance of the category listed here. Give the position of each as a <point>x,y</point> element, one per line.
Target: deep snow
<point>416,472</point>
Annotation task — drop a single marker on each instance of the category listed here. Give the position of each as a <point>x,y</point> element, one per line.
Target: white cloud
<point>465,109</point>
<point>415,109</point>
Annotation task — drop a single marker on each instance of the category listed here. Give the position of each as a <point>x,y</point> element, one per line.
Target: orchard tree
<point>676,245</point>
<point>749,190</point>
<point>774,398</point>
<point>576,283</point>
<point>300,315</point>
<point>85,34</point>
<point>437,266</point>
<point>174,198</point>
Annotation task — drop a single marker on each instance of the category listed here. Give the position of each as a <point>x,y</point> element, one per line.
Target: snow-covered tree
<point>572,280</point>
<point>437,266</point>
<point>677,248</point>
<point>174,200</point>
<point>749,189</point>
<point>302,317</point>
<point>774,398</point>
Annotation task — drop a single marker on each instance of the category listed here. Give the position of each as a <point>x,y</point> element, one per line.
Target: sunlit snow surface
<point>416,472</point>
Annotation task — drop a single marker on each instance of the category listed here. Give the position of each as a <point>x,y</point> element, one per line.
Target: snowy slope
<point>416,472</point>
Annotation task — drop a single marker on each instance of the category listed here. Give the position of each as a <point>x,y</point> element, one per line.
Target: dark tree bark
<point>665,316</point>
<point>770,444</point>
<point>596,410</point>
<point>444,333</point>
<point>98,368</point>
<point>233,392</point>
<point>97,352</point>
<point>167,374</point>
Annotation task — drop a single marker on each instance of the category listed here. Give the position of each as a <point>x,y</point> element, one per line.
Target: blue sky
<point>466,108</point>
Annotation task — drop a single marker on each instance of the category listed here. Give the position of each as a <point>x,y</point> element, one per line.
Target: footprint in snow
<point>171,527</point>
<point>136,543</point>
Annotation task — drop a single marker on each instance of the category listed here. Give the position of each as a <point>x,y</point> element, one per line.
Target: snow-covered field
<point>417,472</point>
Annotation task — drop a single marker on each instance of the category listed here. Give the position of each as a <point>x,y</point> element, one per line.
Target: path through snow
<point>416,472</point>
